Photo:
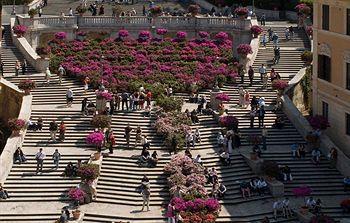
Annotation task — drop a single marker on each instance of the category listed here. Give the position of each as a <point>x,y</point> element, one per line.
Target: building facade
<point>331,70</point>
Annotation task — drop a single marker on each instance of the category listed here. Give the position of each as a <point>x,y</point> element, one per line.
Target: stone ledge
<point>255,165</point>
<point>6,158</point>
<point>276,188</point>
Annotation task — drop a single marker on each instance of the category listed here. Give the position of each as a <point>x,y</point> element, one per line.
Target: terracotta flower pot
<point>76,214</point>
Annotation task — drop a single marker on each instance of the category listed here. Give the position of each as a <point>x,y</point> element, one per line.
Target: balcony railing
<point>171,22</point>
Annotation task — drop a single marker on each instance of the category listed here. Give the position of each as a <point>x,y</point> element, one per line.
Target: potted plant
<point>60,35</point>
<point>203,35</point>
<point>161,32</point>
<point>101,121</point>
<point>318,122</point>
<point>221,37</point>
<point>144,35</point>
<point>303,9</point>
<point>181,35</point>
<point>307,57</point>
<point>43,52</point>
<point>20,30</point>
<point>194,9</point>
<point>279,85</point>
<point>244,49</point>
<point>32,13</point>
<point>81,35</point>
<point>256,30</point>
<point>16,125</point>
<point>303,192</point>
<point>105,95</point>
<point>270,169</point>
<point>155,11</point>
<point>81,10</point>
<point>76,195</point>
<point>222,97</point>
<point>88,172</point>
<point>96,139</point>
<point>122,34</point>
<point>242,12</point>
<point>27,86</point>
<point>229,122</point>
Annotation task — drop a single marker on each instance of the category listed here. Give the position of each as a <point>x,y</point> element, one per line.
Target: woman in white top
<point>47,76</point>
<point>241,94</point>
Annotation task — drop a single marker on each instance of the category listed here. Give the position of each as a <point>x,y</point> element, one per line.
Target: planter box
<point>304,218</point>
<point>255,165</point>
<point>276,188</point>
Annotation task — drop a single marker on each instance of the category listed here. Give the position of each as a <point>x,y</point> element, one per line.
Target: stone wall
<point>13,104</point>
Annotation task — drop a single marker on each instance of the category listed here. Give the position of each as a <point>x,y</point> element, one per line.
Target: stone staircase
<point>120,175</point>
<point>24,185</point>
<point>9,54</point>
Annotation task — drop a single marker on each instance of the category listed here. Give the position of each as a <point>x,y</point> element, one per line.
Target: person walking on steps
<point>263,19</point>
<point>47,76</point>
<point>56,156</point>
<point>24,67</point>
<point>146,194</point>
<point>61,72</point>
<point>69,97</point>
<point>40,156</point>
<point>17,67</point>
<point>53,130</point>
<point>262,71</point>
<point>62,131</point>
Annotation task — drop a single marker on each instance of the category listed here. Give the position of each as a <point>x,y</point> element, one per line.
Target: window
<point>325,17</point>
<point>347,123</point>
<point>324,67</point>
<point>347,21</point>
<point>347,76</point>
<point>325,109</point>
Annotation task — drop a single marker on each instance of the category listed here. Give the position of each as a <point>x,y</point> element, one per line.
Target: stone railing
<point>28,52</point>
<point>178,22</point>
<point>13,104</point>
<point>303,126</point>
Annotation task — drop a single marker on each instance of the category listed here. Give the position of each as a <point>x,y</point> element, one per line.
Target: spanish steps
<point>117,199</point>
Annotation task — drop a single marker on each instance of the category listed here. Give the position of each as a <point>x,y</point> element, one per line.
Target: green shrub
<point>170,103</point>
<point>101,121</point>
<point>306,56</point>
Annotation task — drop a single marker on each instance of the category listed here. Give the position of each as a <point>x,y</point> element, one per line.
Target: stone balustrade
<point>179,22</point>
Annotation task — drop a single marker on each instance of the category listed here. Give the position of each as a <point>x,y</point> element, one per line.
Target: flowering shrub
<point>270,168</point>
<point>244,49</point>
<point>173,126</point>
<point>222,97</point>
<point>26,84</point>
<point>256,30</point>
<point>154,63</point>
<point>181,35</point>
<point>161,31</point>
<point>254,139</point>
<point>203,34</point>
<point>101,121</point>
<point>60,35</point>
<point>322,219</point>
<point>20,30</point>
<point>95,139</point>
<point>123,33</point>
<point>279,84</point>
<point>307,56</point>
<point>221,36</point>
<point>302,191</point>
<point>318,122</point>
<point>303,8</point>
<point>169,104</point>
<point>194,9</point>
<point>144,35</point>
<point>228,121</point>
<point>76,194</point>
<point>16,124</point>
<point>88,172</point>
<point>104,95</point>
<point>241,11</point>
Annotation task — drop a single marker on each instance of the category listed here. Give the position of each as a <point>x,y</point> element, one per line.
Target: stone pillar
<point>101,104</point>
<point>213,101</point>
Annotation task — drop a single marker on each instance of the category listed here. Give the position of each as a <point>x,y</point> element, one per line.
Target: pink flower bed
<point>256,30</point>
<point>76,194</point>
<point>181,35</point>
<point>203,34</point>
<point>188,179</point>
<point>302,191</point>
<point>279,84</point>
<point>123,33</point>
<point>228,121</point>
<point>16,124</point>
<point>120,63</point>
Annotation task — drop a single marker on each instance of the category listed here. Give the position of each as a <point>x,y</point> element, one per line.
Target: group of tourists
<point>40,157</point>
<point>229,141</point>
<point>19,66</point>
<point>256,185</point>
